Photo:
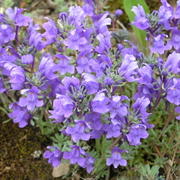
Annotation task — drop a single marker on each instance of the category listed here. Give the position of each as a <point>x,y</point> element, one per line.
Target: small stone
<point>61,170</point>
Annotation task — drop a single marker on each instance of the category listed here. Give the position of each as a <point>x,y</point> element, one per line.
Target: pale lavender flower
<point>136,133</point>
<point>78,132</point>
<point>27,59</point>
<point>76,156</point>
<point>19,115</point>
<point>141,21</point>
<point>31,99</point>
<point>62,106</point>
<point>173,92</point>
<point>128,68</point>
<point>116,158</point>
<point>54,155</point>
<point>100,103</point>
<point>173,63</point>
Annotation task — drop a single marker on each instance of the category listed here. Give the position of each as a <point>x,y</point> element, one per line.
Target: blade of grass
<point>140,35</point>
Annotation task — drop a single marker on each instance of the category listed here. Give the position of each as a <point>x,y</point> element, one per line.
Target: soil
<point>16,149</point>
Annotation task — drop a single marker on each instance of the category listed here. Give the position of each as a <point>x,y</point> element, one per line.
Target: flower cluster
<point>70,68</point>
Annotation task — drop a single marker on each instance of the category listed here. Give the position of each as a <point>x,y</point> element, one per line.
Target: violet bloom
<point>117,107</point>
<point>136,133</point>
<point>51,32</point>
<point>141,21</point>
<point>47,67</point>
<point>112,131</point>
<point>116,159</point>
<point>78,39</point>
<point>63,65</point>
<point>54,155</point>
<point>173,92</point>
<point>100,103</point>
<point>78,132</point>
<point>6,34</point>
<point>2,88</point>
<point>62,106</point>
<point>83,63</point>
<point>173,63</point>
<point>128,68</point>
<point>17,77</point>
<point>175,40</point>
<point>19,115</point>
<point>104,42</point>
<point>118,12</point>
<point>17,16</point>
<point>165,13</point>
<point>101,22</point>
<point>31,99</point>
<point>140,106</point>
<point>76,15</point>
<point>89,164</point>
<point>159,45</point>
<point>94,121</point>
<point>76,156</point>
<point>91,84</point>
<point>27,59</point>
<point>35,37</point>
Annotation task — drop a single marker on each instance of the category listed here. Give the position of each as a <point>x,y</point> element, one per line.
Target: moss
<point>16,148</point>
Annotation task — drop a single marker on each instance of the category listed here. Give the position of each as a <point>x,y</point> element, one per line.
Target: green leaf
<point>140,35</point>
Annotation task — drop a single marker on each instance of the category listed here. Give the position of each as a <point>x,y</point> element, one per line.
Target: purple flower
<point>91,84</point>
<point>2,88</point>
<point>116,159</point>
<point>136,133</point>
<point>128,68</point>
<point>19,115</point>
<point>35,37</point>
<point>159,45</point>
<point>78,132</point>
<point>94,121</point>
<point>54,155</point>
<point>27,59</point>
<point>78,39</point>
<point>17,16</point>
<point>173,63</point>
<point>6,34</point>
<point>173,92</point>
<point>117,107</point>
<point>51,32</point>
<point>31,99</point>
<point>76,156</point>
<point>76,15</point>
<point>141,21</point>
<point>83,64</point>
<point>17,78</point>
<point>47,67</point>
<point>89,164</point>
<point>165,13</point>
<point>64,66</point>
<point>100,103</point>
<point>112,131</point>
<point>101,22</point>
<point>175,40</point>
<point>62,106</point>
<point>118,12</point>
<point>140,106</point>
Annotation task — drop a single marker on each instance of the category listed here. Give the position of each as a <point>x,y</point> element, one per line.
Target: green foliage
<point>141,35</point>
<point>7,3</point>
<point>62,5</point>
<point>148,173</point>
<point>101,153</point>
